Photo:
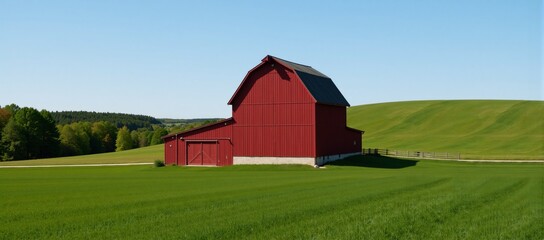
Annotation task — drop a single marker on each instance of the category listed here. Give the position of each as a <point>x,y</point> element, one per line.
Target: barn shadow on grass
<point>374,161</point>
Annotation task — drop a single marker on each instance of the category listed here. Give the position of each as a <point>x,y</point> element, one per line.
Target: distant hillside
<point>490,128</point>
<point>132,121</point>
<point>172,121</point>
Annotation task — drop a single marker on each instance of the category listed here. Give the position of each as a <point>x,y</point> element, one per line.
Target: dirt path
<point>473,160</point>
<point>503,161</point>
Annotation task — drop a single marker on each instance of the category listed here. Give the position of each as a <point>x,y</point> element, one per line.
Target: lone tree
<point>124,141</point>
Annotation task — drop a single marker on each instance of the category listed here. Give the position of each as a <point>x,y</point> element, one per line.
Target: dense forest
<point>131,121</point>
<point>27,133</point>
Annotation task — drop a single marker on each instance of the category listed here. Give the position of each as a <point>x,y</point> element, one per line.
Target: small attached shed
<point>283,113</point>
<point>206,145</point>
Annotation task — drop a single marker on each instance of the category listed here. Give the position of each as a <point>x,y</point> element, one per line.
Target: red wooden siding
<point>170,150</point>
<point>332,135</point>
<point>210,145</point>
<point>274,115</point>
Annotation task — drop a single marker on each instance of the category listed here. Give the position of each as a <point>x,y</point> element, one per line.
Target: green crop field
<point>489,129</point>
<point>359,198</point>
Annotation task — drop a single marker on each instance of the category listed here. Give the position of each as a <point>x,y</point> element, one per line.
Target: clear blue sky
<point>181,59</point>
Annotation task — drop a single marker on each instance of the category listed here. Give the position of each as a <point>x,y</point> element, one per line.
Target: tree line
<point>80,138</point>
<point>27,133</point>
<point>131,121</point>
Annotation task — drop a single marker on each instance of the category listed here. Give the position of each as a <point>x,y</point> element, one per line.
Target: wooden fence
<point>411,154</point>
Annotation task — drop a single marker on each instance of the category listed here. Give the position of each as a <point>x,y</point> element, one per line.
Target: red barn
<point>282,113</point>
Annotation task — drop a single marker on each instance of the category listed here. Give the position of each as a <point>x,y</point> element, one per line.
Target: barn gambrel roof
<point>319,85</point>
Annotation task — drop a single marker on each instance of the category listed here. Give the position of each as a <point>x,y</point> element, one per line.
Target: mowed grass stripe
<point>330,222</point>
<point>496,205</point>
<point>465,208</point>
<point>245,210</point>
<point>374,219</point>
<point>313,207</point>
<point>416,215</point>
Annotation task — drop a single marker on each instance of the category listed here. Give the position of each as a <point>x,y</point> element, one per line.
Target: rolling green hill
<point>498,129</point>
<point>138,155</point>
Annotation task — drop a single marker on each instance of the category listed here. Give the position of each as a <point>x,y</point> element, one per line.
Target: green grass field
<point>489,129</point>
<point>360,198</point>
<point>139,155</point>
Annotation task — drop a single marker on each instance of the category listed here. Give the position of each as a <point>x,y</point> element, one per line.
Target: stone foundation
<point>291,160</point>
<point>273,160</point>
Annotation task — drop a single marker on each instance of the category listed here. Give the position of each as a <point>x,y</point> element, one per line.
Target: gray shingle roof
<point>318,84</point>
<point>300,67</point>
